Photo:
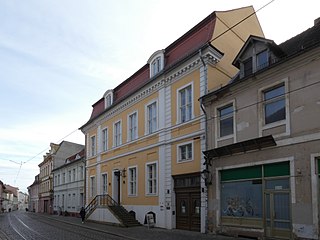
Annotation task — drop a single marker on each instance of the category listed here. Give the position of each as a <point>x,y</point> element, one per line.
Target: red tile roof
<point>192,40</point>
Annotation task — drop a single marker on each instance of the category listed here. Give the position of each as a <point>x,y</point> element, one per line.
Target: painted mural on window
<point>241,199</point>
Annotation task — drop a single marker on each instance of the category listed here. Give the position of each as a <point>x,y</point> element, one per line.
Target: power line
<point>230,28</point>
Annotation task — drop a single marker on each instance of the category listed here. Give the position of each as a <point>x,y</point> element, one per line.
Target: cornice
<point>210,56</point>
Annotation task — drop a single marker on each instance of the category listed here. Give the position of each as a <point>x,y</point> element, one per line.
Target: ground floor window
<point>245,192</point>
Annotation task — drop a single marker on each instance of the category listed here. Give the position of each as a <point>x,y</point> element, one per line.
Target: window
<point>247,67</point>
<point>74,174</point>
<point>93,146</point>
<point>92,186</point>
<point>156,66</point>
<point>58,179</point>
<point>64,178</point>
<point>225,120</point>
<point>133,127</point>
<point>185,104</point>
<point>105,139</point>
<point>104,183</point>
<point>69,175</point>
<point>108,98</point>
<point>185,152</point>
<point>133,181</point>
<point>274,104</point>
<point>117,134</point>
<point>262,60</point>
<point>151,174</point>
<point>152,118</point>
<point>81,172</point>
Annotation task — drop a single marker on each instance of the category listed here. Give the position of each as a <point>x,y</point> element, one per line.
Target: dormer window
<point>262,60</point>
<point>108,98</point>
<point>156,66</point>
<point>156,63</point>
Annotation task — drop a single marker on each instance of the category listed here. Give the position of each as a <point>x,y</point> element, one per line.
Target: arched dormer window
<point>108,98</point>
<point>156,62</point>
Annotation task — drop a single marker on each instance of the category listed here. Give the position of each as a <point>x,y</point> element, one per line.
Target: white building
<point>68,185</point>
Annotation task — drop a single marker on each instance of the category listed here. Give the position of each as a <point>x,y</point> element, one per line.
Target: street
<point>19,225</point>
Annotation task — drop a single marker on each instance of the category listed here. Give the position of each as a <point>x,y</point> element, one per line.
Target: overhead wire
<point>229,29</point>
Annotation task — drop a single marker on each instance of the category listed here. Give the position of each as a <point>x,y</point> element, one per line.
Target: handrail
<point>100,200</point>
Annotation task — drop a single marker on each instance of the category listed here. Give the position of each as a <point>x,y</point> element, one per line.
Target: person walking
<point>82,214</point>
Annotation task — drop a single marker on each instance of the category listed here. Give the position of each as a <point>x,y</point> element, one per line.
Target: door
<point>116,187</point>
<point>277,214</point>
<point>188,211</point>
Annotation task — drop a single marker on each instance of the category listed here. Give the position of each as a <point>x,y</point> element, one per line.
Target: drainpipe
<point>205,117</point>
<point>205,73</point>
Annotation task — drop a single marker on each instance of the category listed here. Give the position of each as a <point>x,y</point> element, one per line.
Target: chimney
<point>317,21</point>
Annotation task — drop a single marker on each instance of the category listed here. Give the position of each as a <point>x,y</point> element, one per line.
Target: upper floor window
<point>156,62</point>
<point>247,67</point>
<point>262,59</point>
<point>185,152</point>
<point>225,114</point>
<point>105,139</point>
<point>74,174</point>
<point>185,104</point>
<point>117,134</point>
<point>151,178</point>
<point>152,117</point>
<point>108,98</point>
<point>132,126</point>
<point>81,171</point>
<point>156,66</point>
<point>63,178</point>
<point>69,176</point>
<point>93,146</point>
<point>274,104</point>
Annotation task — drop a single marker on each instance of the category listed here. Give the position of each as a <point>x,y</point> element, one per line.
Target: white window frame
<point>217,121</point>
<point>117,136</point>
<point>147,121</point>
<point>132,130</point>
<point>104,184</point>
<point>81,172</point>
<point>179,90</point>
<point>158,58</point>
<point>285,122</point>
<point>93,186</point>
<point>108,98</point>
<point>135,181</point>
<point>93,145</point>
<point>179,146</point>
<point>221,118</point>
<point>104,139</point>
<point>153,179</point>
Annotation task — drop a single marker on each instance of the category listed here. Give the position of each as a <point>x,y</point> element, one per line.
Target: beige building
<point>263,141</point>
<point>53,159</point>
<point>144,139</point>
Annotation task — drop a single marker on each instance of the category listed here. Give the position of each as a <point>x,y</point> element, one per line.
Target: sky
<point>58,57</point>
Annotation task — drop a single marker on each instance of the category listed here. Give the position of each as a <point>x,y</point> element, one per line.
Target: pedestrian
<point>82,214</point>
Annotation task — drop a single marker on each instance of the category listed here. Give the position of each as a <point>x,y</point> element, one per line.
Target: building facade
<point>263,141</point>
<point>68,186</point>
<point>33,191</point>
<point>10,198</point>
<point>53,159</point>
<point>144,139</point>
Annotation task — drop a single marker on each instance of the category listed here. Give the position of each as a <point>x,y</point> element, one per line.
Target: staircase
<point>124,217</point>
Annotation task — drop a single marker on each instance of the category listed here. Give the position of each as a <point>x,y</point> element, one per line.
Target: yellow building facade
<point>145,138</point>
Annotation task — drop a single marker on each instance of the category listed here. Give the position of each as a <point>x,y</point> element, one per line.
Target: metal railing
<point>99,200</point>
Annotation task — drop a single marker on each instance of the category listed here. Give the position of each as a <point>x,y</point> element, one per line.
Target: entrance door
<point>116,187</point>
<point>277,214</point>
<point>188,211</point>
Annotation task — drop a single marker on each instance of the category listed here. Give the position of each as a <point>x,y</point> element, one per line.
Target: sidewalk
<point>141,232</point>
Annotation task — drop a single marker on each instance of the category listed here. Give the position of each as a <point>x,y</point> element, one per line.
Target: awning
<point>241,147</point>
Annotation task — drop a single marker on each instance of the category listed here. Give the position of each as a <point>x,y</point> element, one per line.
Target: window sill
<point>227,137</point>
<point>184,161</point>
<point>274,124</point>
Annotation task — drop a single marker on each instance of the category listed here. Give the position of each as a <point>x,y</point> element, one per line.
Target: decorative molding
<point>210,56</point>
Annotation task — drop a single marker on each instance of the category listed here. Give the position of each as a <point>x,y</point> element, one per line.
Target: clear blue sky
<point>58,57</point>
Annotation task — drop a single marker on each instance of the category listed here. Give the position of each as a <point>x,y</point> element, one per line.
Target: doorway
<point>277,210</point>
<point>116,186</point>
<point>188,211</point>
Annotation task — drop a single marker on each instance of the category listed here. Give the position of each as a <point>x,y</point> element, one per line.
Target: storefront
<point>257,197</point>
